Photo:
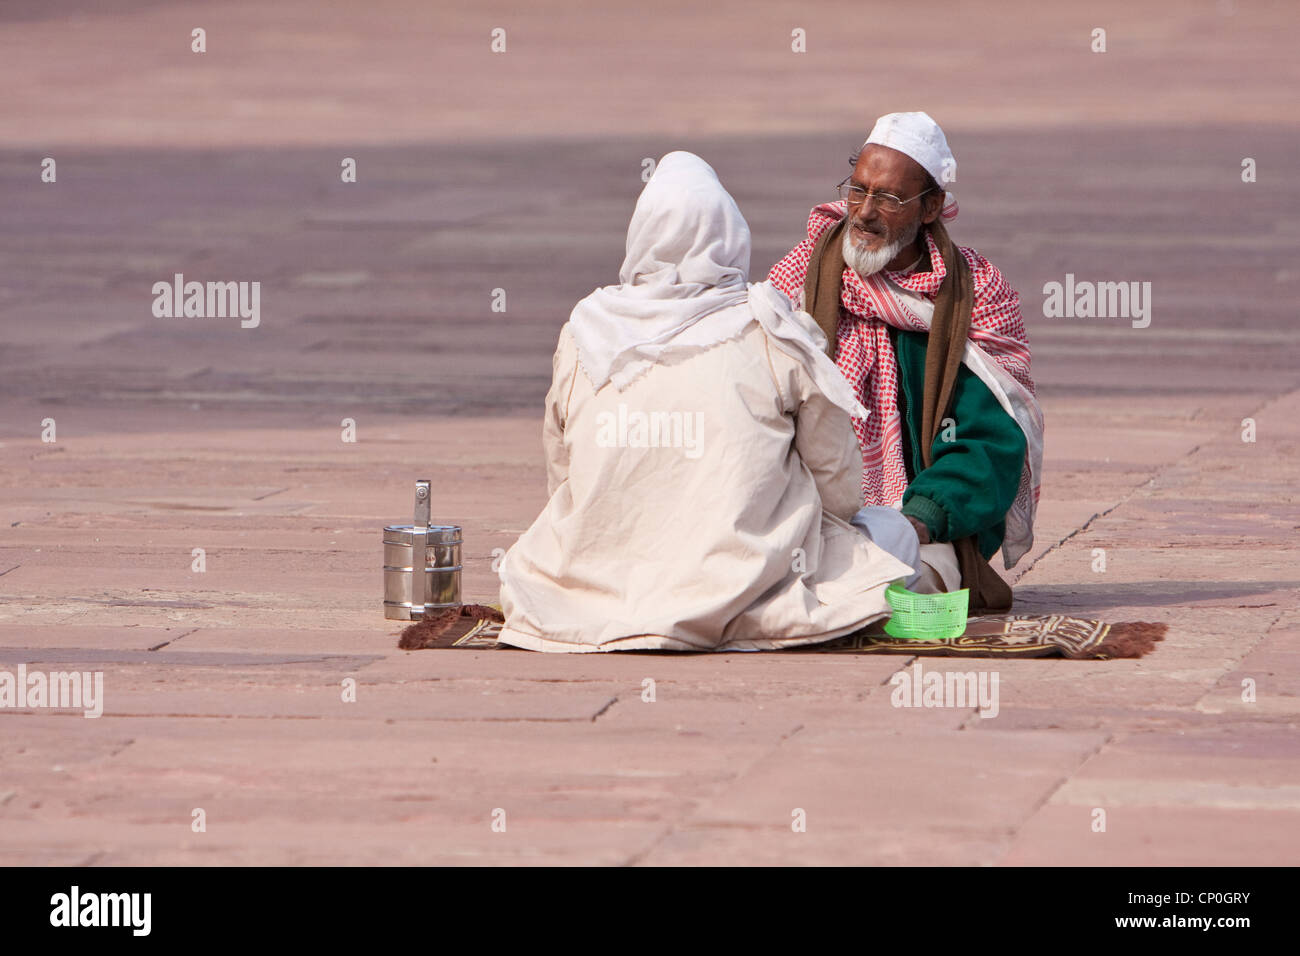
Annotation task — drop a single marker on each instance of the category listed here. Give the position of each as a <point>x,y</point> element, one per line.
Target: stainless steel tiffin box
<point>408,595</point>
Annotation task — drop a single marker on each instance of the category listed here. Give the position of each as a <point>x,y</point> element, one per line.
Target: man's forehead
<point>884,163</point>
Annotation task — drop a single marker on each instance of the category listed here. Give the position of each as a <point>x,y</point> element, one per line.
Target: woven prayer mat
<point>1013,635</point>
<point>1010,635</point>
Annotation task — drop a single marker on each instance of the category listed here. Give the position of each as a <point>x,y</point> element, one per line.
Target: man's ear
<point>933,206</point>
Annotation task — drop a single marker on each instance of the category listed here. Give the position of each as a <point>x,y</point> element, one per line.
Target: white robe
<point>741,543</point>
<point>729,533</point>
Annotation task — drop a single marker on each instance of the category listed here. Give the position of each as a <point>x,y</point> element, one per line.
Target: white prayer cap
<point>918,136</point>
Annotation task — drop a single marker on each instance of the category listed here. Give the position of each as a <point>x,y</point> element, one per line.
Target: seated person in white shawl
<point>701,461</point>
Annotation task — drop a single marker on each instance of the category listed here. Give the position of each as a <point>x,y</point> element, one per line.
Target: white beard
<point>865,262</point>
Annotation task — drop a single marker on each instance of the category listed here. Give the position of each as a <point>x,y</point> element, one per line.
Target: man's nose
<point>867,212</point>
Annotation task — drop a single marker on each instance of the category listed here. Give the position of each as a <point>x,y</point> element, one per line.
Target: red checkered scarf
<point>866,356</point>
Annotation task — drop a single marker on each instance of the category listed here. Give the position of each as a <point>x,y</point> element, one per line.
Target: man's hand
<point>922,531</point>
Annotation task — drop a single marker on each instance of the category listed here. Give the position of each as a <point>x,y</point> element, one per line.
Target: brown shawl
<point>947,343</point>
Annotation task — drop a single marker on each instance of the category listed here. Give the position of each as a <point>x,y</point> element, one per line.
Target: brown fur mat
<point>443,628</point>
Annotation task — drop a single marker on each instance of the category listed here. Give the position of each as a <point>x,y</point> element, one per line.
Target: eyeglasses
<point>886,202</point>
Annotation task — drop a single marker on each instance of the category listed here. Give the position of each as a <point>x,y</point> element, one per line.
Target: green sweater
<point>973,479</point>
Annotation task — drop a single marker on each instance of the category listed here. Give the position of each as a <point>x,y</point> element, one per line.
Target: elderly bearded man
<point>930,336</point>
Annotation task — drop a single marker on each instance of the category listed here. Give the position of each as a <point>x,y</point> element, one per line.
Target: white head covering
<point>688,259</point>
<point>918,136</point>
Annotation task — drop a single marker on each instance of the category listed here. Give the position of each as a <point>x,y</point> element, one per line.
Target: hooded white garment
<point>687,257</point>
<point>700,478</point>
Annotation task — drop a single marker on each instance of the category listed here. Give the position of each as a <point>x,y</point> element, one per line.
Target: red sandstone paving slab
<point>149,539</point>
<point>347,760</point>
<point>519,751</point>
<point>948,800</point>
<point>1234,795</point>
<point>351,569</point>
<point>623,795</point>
<point>1199,766</point>
<point>928,779</point>
<point>1235,614</point>
<point>752,678</point>
<point>694,691</point>
<point>383,842</point>
<point>169,554</point>
<point>214,587</point>
<point>1270,673</point>
<point>1066,685</point>
<point>163,663</point>
<point>164,610</point>
<point>1289,619</point>
<point>412,795</point>
<point>616,776</point>
<point>198,599</point>
<point>145,501</point>
<point>422,777</point>
<point>367,501</point>
<point>1138,448</point>
<point>1234,490</point>
<point>43,742</point>
<point>703,712</point>
<point>1224,583</point>
<point>1269,702</point>
<point>109,637</point>
<point>1168,507</point>
<point>748,674</point>
<point>873,842</point>
<point>281,639</point>
<point>1157,836</point>
<point>160,691</point>
<point>1216,529</point>
<point>298,445</point>
<point>1082,716</point>
<point>1057,520</point>
<point>446,685</point>
<point>1170,410</point>
<point>126,614</point>
<point>181,679</point>
<point>168,550</point>
<point>1211,528</point>
<point>501,96</point>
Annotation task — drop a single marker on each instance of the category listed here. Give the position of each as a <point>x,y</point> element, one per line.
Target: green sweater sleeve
<point>977,461</point>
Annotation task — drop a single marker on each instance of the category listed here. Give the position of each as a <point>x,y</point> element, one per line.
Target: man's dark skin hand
<point>922,531</point>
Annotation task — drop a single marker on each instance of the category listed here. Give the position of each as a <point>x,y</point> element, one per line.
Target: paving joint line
<point>639,856</point>
<point>1236,662</point>
<point>12,714</point>
<point>1015,830</point>
<point>608,704</point>
<point>1100,514</point>
<point>157,647</point>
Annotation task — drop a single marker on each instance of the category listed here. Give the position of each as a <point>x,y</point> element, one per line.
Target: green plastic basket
<point>926,617</point>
